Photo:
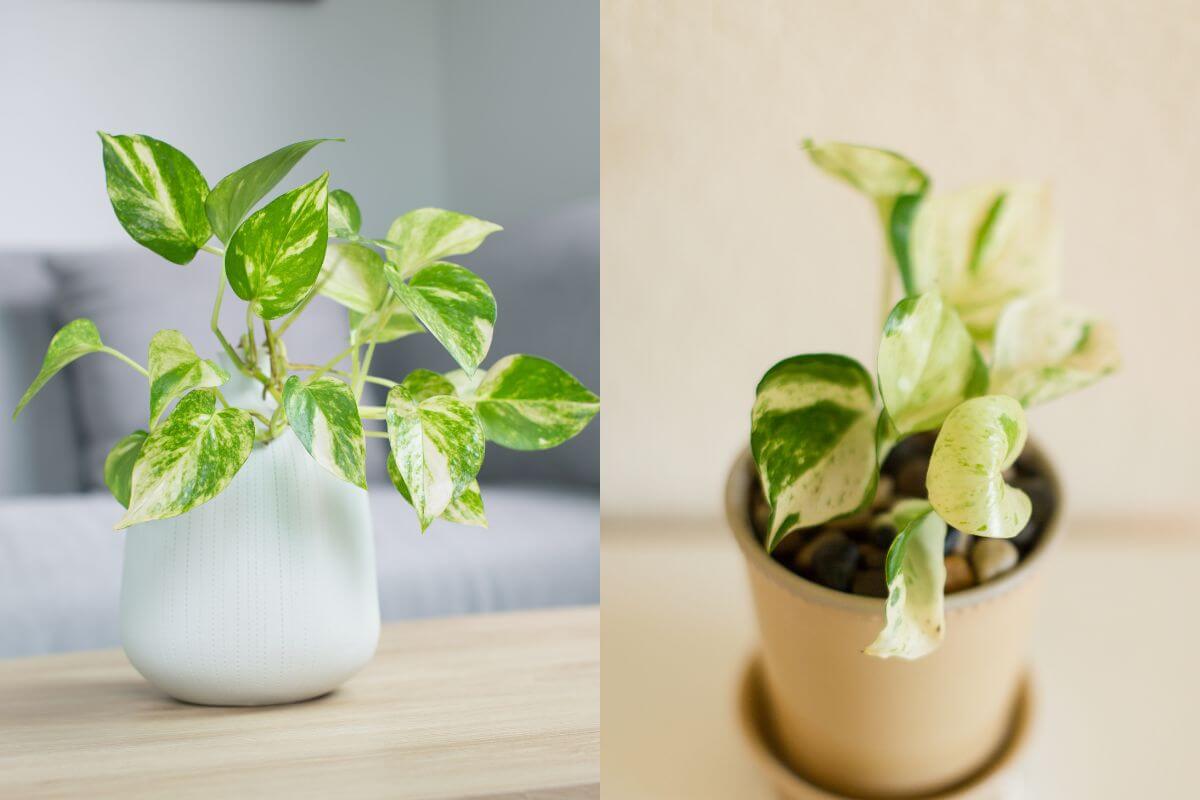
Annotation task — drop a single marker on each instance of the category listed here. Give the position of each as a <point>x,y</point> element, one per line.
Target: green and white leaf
<point>464,384</point>
<point>75,339</point>
<point>393,321</point>
<point>274,258</point>
<point>978,441</point>
<point>984,247</point>
<point>465,509</point>
<point>324,416</point>
<point>352,275</point>
<point>427,235</point>
<point>455,305</point>
<point>437,445</point>
<point>916,575</point>
<point>189,459</point>
<point>118,466</point>
<point>235,194</point>
<point>928,363</point>
<point>424,383</point>
<point>175,370</point>
<point>345,220</point>
<point>812,435</point>
<point>530,403</point>
<point>158,195</point>
<point>1045,349</point>
<point>882,175</point>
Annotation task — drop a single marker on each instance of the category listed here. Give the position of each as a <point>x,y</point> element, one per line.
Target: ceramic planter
<point>265,594</point>
<point>867,727</point>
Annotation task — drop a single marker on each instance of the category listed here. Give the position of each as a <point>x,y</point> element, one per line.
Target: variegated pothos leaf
<point>425,236</point>
<point>812,435</point>
<point>455,305</point>
<point>158,195</point>
<point>352,275</point>
<point>424,383</point>
<point>465,509</point>
<point>978,441</point>
<point>118,465</point>
<point>324,416</point>
<point>274,258</point>
<point>393,321</point>
<point>928,363</point>
<point>73,340</point>
<point>530,403</point>
<point>916,575</point>
<point>175,370</point>
<point>345,219</point>
<point>189,459</point>
<point>1045,349</point>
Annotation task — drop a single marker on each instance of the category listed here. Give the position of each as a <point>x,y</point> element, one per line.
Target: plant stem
<point>375,434</point>
<point>216,329</point>
<point>327,366</point>
<point>216,251</point>
<point>320,284</point>
<point>366,367</point>
<point>341,373</point>
<point>885,293</point>
<point>372,412</point>
<point>126,359</point>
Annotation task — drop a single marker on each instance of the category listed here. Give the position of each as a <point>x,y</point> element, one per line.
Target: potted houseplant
<point>893,523</point>
<point>249,561</point>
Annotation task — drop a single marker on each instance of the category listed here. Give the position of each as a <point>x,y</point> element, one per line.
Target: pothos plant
<point>979,335</point>
<point>305,243</point>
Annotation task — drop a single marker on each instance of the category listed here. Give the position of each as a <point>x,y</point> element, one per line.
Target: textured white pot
<point>265,594</point>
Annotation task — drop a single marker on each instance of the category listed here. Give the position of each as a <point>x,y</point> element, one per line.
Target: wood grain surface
<point>497,706</point>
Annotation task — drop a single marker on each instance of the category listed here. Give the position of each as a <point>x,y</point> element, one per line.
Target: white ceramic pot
<point>265,594</point>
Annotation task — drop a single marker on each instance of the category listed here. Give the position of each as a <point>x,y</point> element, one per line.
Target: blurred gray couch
<point>60,560</point>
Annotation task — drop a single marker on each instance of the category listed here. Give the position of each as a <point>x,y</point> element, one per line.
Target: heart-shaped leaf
<point>916,576</point>
<point>465,509</point>
<point>189,459</point>
<point>427,235</point>
<point>424,383</point>
<point>324,416</point>
<point>157,194</point>
<point>978,441</point>
<point>235,194</point>
<point>345,220</point>
<point>812,434</point>
<point>175,370</point>
<point>118,466</point>
<point>393,321</point>
<point>984,247</point>
<point>353,276</point>
<point>529,403</point>
<point>455,305</point>
<point>1045,349</point>
<point>928,363</point>
<point>75,339</point>
<point>437,445</point>
<point>274,258</point>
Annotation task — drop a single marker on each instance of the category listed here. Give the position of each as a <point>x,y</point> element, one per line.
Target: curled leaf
<point>345,219</point>
<point>118,465</point>
<point>73,340</point>
<point>175,370</point>
<point>352,275</point>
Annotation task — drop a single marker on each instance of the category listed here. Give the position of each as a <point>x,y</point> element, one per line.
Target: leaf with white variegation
<point>75,339</point>
<point>175,370</point>
<point>158,195</point>
<point>352,275</point>
<point>427,235</point>
<point>1045,349</point>
<point>274,258</point>
<point>189,459</point>
<point>118,465</point>
<point>812,435</point>
<point>928,363</point>
<point>530,403</point>
<point>465,509</point>
<point>422,384</point>
<point>916,576</point>
<point>345,219</point>
<point>455,305</point>
<point>984,247</point>
<point>393,321</point>
<point>324,416</point>
<point>978,441</point>
<point>437,445</point>
<point>235,194</point>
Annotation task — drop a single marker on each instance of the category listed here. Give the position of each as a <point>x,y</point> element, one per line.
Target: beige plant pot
<point>867,727</point>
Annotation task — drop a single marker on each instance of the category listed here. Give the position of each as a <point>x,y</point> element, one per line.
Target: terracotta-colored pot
<point>869,727</point>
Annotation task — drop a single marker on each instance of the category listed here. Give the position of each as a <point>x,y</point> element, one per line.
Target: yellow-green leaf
<point>427,235</point>
<point>118,466</point>
<point>175,370</point>
<point>75,339</point>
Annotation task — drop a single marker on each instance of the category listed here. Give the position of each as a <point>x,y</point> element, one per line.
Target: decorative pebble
<point>870,582</point>
<point>1041,496</point>
<point>956,542</point>
<point>881,533</point>
<point>885,491</point>
<point>992,557</point>
<point>910,477</point>
<point>872,557</point>
<point>785,552</point>
<point>830,559</point>
<point>958,573</point>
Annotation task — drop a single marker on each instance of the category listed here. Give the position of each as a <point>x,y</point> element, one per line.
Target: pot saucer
<point>1000,780</point>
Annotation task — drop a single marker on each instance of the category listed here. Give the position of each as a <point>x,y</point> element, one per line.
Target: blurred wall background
<point>724,250</point>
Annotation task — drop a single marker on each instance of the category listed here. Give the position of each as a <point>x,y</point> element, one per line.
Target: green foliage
<point>279,259</point>
<point>915,618</point>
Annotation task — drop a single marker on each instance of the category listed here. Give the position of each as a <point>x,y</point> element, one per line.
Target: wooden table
<point>497,706</point>
<point>1116,661</point>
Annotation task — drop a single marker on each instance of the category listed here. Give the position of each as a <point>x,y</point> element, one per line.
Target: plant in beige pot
<point>249,561</point>
<point>893,523</point>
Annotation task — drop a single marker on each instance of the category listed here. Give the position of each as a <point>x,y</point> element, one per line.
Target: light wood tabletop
<point>496,706</point>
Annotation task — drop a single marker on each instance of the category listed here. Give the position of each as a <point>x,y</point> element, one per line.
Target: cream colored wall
<point>724,250</point>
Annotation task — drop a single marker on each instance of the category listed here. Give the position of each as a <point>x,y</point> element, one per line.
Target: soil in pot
<point>848,554</point>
